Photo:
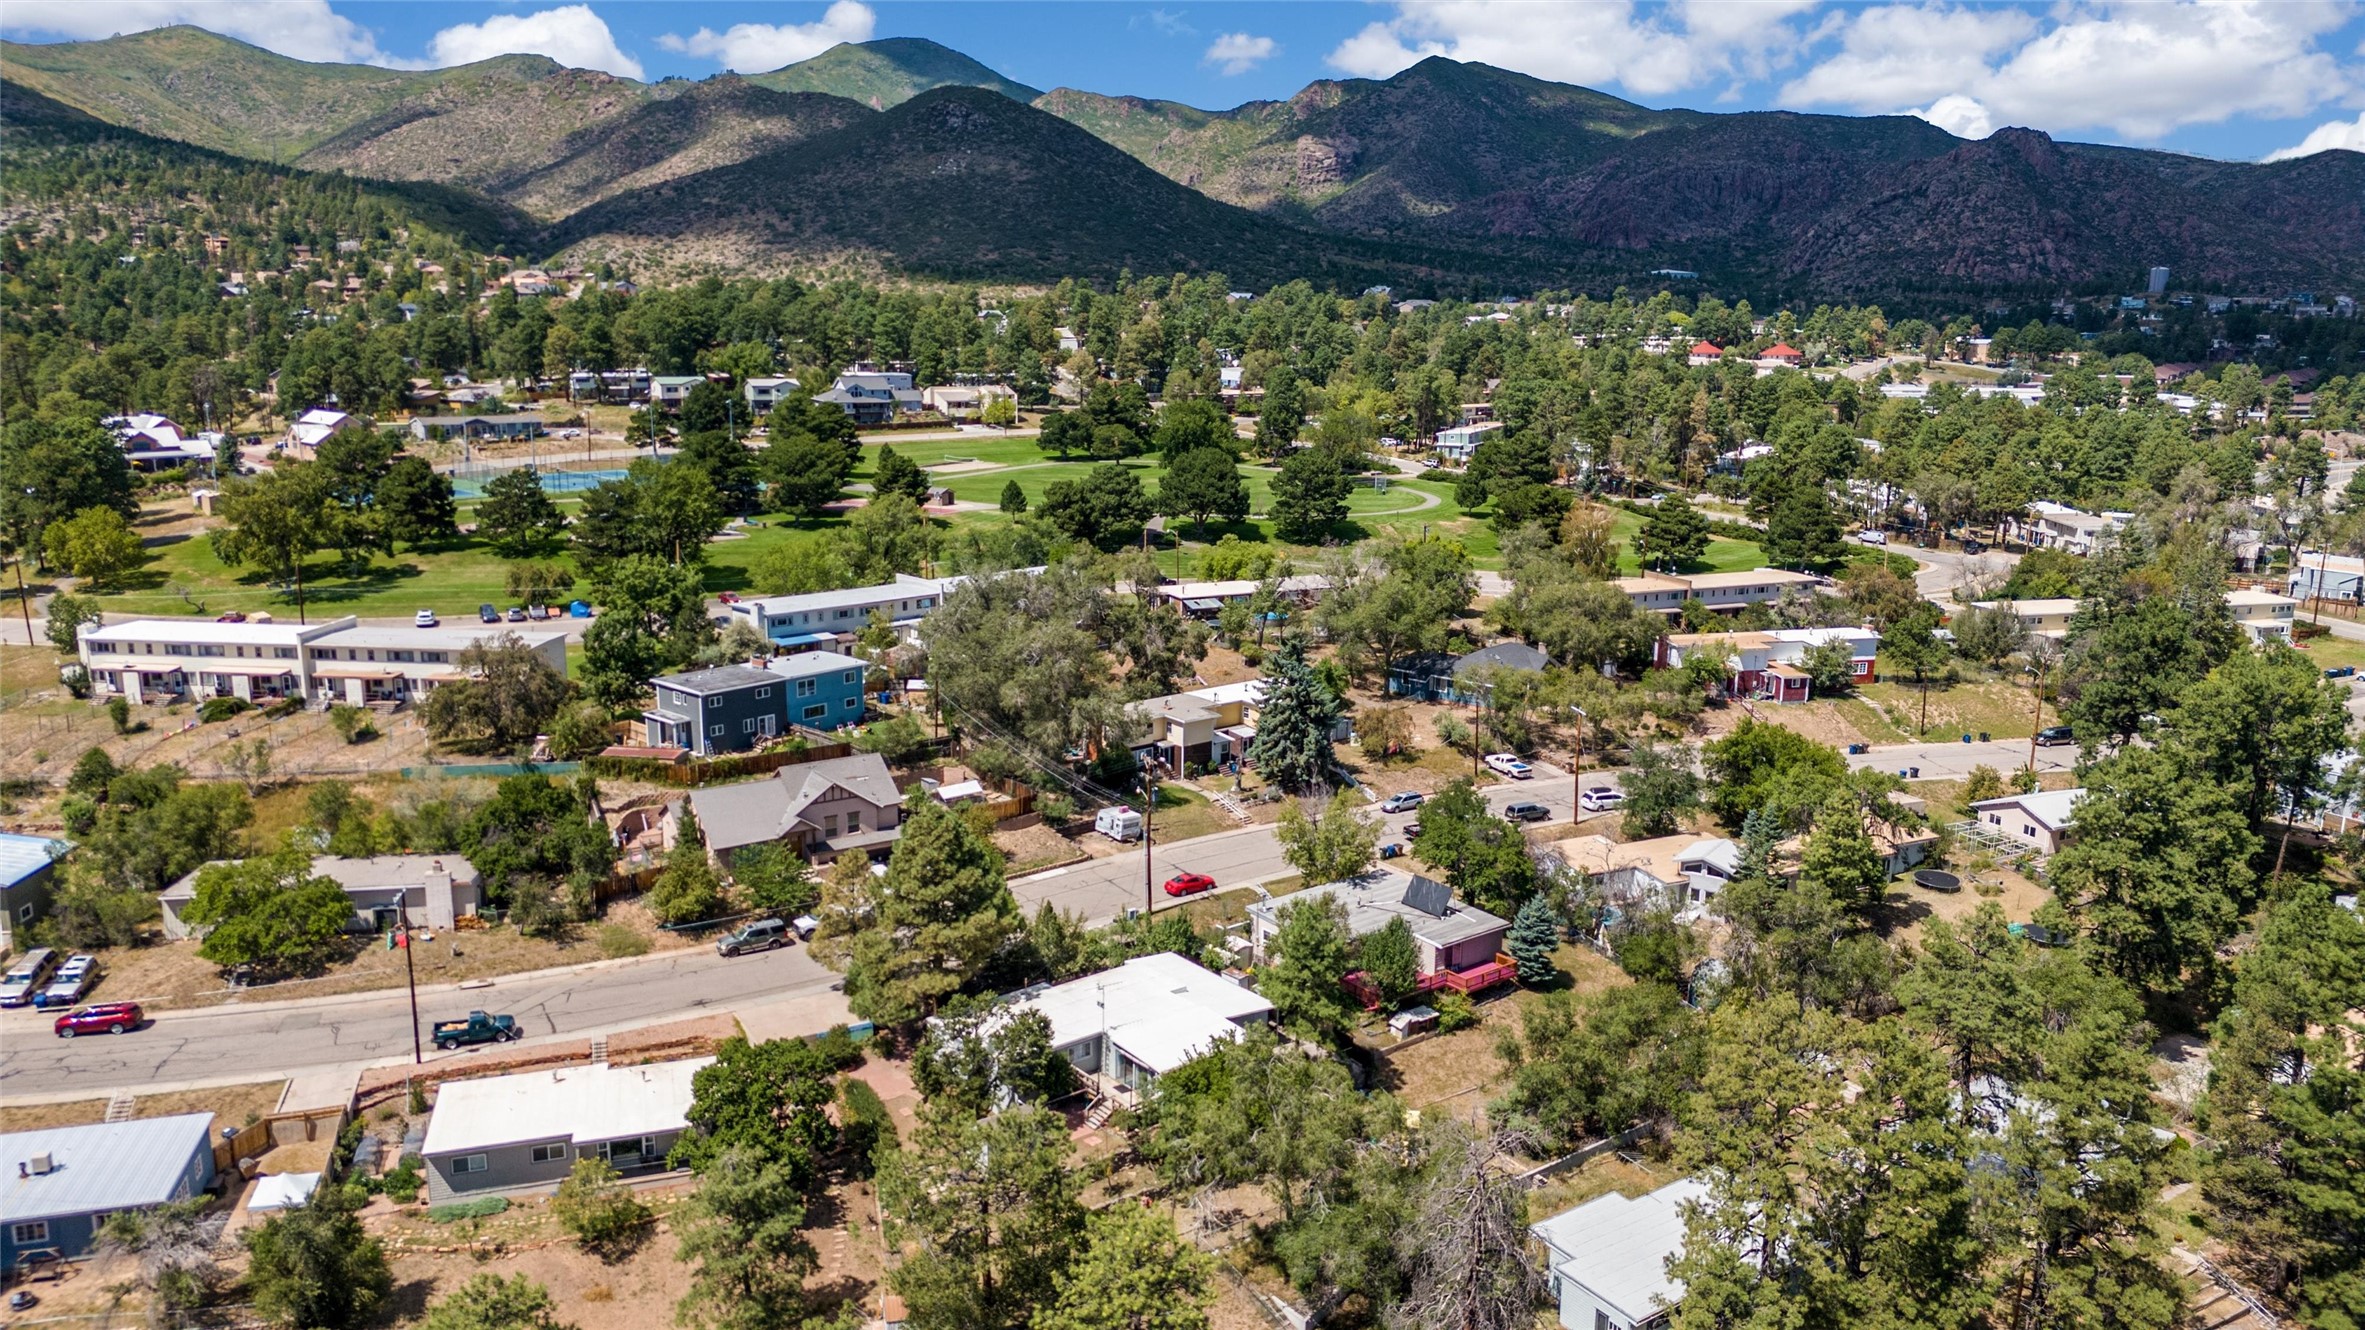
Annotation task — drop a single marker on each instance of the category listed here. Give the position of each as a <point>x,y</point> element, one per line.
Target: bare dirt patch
<point>232,1105</point>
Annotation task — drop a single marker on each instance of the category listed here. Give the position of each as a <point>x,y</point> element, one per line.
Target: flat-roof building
<point>1124,1028</point>
<point>523,1133</point>
<point>339,660</point>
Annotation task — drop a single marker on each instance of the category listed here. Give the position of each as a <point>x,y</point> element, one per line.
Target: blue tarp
<point>804,639</point>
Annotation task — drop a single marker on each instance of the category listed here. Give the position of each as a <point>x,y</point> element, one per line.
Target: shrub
<point>480,1208</point>
<point>215,709</point>
<point>616,942</point>
<point>1455,1011</point>
<point>119,711</point>
<point>870,1128</point>
<point>352,724</point>
<point>838,1046</point>
<point>595,1207</point>
<point>403,1181</point>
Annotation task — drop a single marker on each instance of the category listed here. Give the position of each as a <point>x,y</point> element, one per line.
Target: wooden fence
<point>277,1129</point>
<point>685,775</point>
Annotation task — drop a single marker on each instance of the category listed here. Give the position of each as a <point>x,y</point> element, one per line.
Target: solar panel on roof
<point>1429,896</point>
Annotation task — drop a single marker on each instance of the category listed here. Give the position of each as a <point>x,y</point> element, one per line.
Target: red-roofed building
<point>1705,353</point>
<point>1783,353</point>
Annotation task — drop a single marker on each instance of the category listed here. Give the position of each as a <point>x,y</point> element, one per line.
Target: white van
<point>1118,824</point>
<point>1868,536</point>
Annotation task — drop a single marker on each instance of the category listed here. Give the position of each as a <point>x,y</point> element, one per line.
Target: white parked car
<point>1869,536</point>
<point>1505,764</point>
<point>1601,799</point>
<point>424,619</point>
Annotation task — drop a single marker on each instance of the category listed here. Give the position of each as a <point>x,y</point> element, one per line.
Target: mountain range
<point>902,155</point>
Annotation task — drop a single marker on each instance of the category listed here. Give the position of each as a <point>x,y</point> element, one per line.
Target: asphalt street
<point>1103,889</point>
<point>268,1038</point>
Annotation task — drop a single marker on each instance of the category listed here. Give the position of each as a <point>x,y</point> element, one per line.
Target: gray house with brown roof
<point>843,805</point>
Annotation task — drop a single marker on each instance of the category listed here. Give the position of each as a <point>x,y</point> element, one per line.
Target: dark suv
<point>2053,736</point>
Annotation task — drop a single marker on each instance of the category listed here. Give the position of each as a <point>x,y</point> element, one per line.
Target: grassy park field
<point>184,576</point>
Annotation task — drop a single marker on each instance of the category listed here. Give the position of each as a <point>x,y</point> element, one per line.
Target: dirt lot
<point>48,730</point>
<point>234,1105</point>
<point>1599,1177</point>
<point>168,975</point>
<point>637,1290</point>
<point>1457,1073</point>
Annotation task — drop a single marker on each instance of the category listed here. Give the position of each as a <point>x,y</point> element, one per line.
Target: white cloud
<point>753,48</point>
<point>1958,115</point>
<point>304,29</point>
<point>1661,50</point>
<point>2139,70</point>
<point>2349,134</point>
<point>573,35</point>
<point>1237,52</point>
<point>1166,22</point>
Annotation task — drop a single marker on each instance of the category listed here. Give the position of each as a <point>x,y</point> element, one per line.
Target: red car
<point>1189,884</point>
<point>105,1018</point>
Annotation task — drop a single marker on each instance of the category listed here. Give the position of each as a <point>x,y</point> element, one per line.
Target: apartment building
<point>340,660</point>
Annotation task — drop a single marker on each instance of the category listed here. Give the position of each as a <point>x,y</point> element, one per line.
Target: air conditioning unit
<point>40,1164</point>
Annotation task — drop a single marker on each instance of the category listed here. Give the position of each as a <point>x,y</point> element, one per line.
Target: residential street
<point>1104,889</point>
<point>270,1038</point>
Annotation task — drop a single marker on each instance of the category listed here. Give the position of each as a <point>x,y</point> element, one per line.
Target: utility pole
<point>1576,809</point>
<point>2037,720</point>
<point>1149,808</point>
<point>410,974</point>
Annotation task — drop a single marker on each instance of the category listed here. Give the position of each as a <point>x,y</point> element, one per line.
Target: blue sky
<point>2223,78</point>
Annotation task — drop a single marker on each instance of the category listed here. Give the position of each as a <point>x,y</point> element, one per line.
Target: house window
<point>713,702</point>
<point>847,677</point>
<point>829,825</point>
<point>853,704</point>
<point>628,1152</point>
<point>469,1164</point>
<point>854,822</point>
<point>1601,1321</point>
<point>24,914</point>
<point>816,711</point>
<point>747,726</point>
<point>763,692</point>
<point>549,1154</point>
<point>34,1231</point>
<point>2030,832</point>
<point>714,731</point>
<point>805,687</point>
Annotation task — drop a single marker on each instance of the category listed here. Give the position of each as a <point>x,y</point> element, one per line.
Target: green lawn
<point>183,576</point>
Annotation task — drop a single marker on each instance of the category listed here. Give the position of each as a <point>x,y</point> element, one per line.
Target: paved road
<point>267,1039</point>
<point>1104,889</point>
<point>1944,571</point>
<point>1953,761</point>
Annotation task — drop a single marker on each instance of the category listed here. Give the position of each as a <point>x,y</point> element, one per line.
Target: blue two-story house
<point>824,687</point>
<point>728,709</point>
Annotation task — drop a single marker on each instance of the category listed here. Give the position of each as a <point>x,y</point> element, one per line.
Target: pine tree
<point>943,911</point>
<point>1013,498</point>
<point>1534,936</point>
<point>1841,859</point>
<point>1292,746</point>
<point>1135,1273</point>
<point>898,474</point>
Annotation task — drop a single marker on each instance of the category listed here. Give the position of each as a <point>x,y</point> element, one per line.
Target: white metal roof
<point>204,632</point>
<point>579,1104</point>
<point>904,587</point>
<point>1617,1247</point>
<point>1162,1010</point>
<point>435,639</point>
<point>23,856</point>
<point>2052,809</point>
<point>100,1165</point>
